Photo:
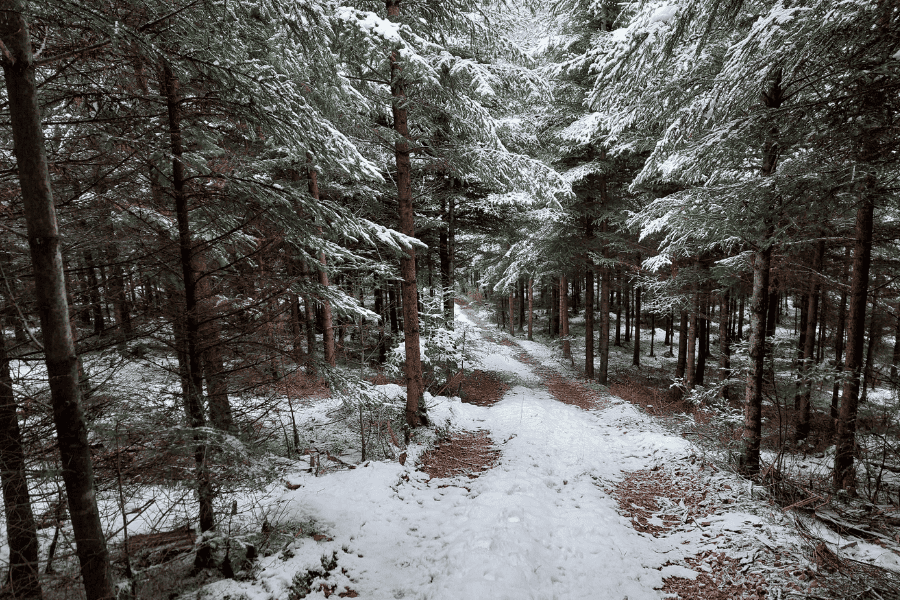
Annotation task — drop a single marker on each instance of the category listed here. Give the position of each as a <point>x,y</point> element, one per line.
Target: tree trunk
<point>740,321</point>
<point>895,358</point>
<point>21,532</point>
<point>564,316</point>
<point>444,256</point>
<point>636,357</point>
<point>691,366</point>
<point>521,296</point>
<point>773,307</point>
<point>724,344</point>
<point>603,346</point>
<point>328,349</point>
<point>809,347</point>
<point>619,310</point>
<point>194,401</point>
<point>749,462</point>
<point>626,292</point>
<point>702,339</point>
<point>844,471</point>
<point>50,292</point>
<point>874,337</point>
<point>415,387</point>
<point>589,321</point>
<point>94,294</point>
<point>839,337</point>
<point>512,311</point>
<point>681,362</point>
<point>530,308</point>
<point>214,371</point>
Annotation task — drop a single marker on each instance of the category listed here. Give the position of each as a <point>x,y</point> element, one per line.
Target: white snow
<point>664,14</point>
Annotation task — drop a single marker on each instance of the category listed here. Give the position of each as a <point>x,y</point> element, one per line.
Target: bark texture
<point>50,292</point>
<point>844,471</point>
<point>415,386</point>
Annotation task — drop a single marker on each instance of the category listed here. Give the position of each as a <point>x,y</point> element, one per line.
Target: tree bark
<point>530,308</point>
<point>636,357</point>
<point>749,461</point>
<point>328,350</point>
<point>691,366</point>
<point>839,337</point>
<point>21,532</point>
<point>603,346</point>
<point>512,311</point>
<point>681,362</point>
<point>844,471</point>
<point>444,256</point>
<point>724,345</point>
<point>50,291</point>
<point>564,316</point>
<point>194,401</point>
<point>589,321</point>
<point>809,347</point>
<point>871,344</point>
<point>895,358</point>
<point>521,296</point>
<point>415,387</point>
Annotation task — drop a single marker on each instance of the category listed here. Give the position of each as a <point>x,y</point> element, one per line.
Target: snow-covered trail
<point>538,525</point>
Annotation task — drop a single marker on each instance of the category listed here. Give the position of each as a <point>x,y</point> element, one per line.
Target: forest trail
<point>544,523</point>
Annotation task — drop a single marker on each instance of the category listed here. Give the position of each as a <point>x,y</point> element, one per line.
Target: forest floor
<point>537,485</point>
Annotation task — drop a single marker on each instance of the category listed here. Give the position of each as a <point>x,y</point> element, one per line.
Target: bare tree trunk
<point>809,346</point>
<point>844,471</point>
<point>589,321</point>
<point>636,358</point>
<point>724,344</point>
<point>213,364</point>
<point>415,387</point>
<point>444,256</point>
<point>603,346</point>
<point>512,312</point>
<point>872,343</point>
<point>521,296</point>
<point>564,316</point>
<point>328,351</point>
<point>50,290</point>
<point>839,337</point>
<point>530,308</point>
<point>194,401</point>
<point>681,361</point>
<point>753,394</point>
<point>895,358</point>
<point>691,367</point>
<point>21,532</point>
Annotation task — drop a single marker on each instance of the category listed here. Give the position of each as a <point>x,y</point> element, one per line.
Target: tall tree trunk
<point>752,437</point>
<point>512,311</point>
<point>806,366</point>
<point>530,308</point>
<point>603,346</point>
<point>521,296</point>
<point>564,316</point>
<point>702,339</point>
<point>759,305</point>
<point>50,291</point>
<point>21,532</point>
<point>839,337</point>
<point>589,321</point>
<point>444,257</point>
<point>626,292</point>
<point>691,366</point>
<point>619,308</point>
<point>724,344</point>
<point>415,387</point>
<point>636,357</point>
<point>773,307</point>
<point>194,401</point>
<point>681,362</point>
<point>740,321</point>
<point>872,343</point>
<point>328,349</point>
<point>94,294</point>
<point>895,358</point>
<point>844,471</point>
<point>213,364</point>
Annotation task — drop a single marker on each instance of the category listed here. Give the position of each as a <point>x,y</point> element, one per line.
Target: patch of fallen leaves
<point>566,391</point>
<point>719,578</point>
<point>470,454</point>
<point>657,500</point>
<point>477,387</point>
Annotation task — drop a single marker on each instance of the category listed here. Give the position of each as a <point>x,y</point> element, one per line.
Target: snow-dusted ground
<point>538,525</point>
